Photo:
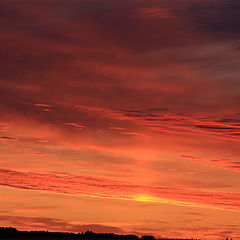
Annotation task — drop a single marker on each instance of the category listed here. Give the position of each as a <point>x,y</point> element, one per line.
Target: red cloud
<point>42,105</point>
<point>158,13</point>
<point>106,188</point>
<point>75,125</point>
<point>43,223</point>
<point>168,70</point>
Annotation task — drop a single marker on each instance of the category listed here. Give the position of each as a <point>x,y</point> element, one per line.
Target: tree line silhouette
<point>12,234</point>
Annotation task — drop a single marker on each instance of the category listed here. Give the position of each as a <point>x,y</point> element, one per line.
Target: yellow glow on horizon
<point>149,198</point>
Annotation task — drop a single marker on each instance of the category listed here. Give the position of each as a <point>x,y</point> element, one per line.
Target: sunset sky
<point>121,116</point>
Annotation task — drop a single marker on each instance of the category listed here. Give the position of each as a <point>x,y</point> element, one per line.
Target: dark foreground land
<point>13,233</point>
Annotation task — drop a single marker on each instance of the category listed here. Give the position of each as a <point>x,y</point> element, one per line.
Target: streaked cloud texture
<point>121,106</point>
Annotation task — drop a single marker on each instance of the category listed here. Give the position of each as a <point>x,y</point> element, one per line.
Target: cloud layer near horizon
<point>105,188</point>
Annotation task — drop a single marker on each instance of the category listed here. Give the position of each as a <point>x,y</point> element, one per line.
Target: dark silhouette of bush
<point>12,234</point>
<point>146,237</point>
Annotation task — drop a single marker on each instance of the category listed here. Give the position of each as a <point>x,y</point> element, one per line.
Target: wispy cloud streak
<point>106,188</point>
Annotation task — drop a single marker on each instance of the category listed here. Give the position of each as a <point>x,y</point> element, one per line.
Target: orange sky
<point>120,116</point>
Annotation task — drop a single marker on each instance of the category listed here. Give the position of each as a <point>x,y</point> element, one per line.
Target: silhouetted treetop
<point>13,234</point>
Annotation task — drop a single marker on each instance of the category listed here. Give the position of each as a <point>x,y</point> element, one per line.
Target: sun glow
<point>152,199</point>
<point>149,198</point>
